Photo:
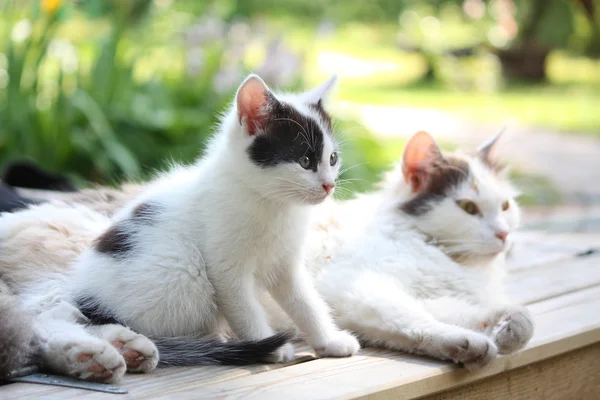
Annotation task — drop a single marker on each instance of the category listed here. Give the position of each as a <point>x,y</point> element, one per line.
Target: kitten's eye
<point>505,205</point>
<point>304,162</point>
<point>333,159</point>
<point>468,206</point>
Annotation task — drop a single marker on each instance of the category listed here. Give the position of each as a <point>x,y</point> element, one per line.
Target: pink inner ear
<point>420,154</point>
<point>252,102</point>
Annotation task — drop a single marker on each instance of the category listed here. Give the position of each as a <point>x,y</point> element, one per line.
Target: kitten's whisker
<point>301,127</point>
<point>349,168</point>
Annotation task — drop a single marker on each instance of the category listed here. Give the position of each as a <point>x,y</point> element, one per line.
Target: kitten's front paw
<point>284,354</point>
<point>474,350</point>
<point>93,360</point>
<point>513,330</point>
<point>139,352</point>
<point>340,344</point>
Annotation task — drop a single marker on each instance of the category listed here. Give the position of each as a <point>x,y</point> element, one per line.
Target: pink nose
<point>328,187</point>
<point>502,236</point>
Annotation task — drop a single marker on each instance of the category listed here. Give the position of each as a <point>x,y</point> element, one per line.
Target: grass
<point>564,108</point>
<point>374,71</point>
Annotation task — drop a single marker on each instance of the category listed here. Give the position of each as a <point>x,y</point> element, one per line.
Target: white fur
<point>382,273</point>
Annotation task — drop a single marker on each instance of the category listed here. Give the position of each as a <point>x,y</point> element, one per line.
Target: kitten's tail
<point>193,351</point>
<point>17,341</point>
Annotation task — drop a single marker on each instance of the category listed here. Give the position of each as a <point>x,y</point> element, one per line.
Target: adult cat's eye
<point>304,162</point>
<point>333,159</point>
<point>505,205</point>
<point>468,206</point>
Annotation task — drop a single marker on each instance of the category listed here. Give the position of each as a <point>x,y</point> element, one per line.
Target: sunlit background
<point>104,91</point>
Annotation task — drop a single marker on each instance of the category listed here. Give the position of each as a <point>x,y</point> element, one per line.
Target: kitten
<point>198,245</point>
<point>421,259</point>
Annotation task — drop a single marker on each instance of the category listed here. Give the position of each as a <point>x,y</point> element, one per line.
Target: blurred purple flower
<point>209,28</point>
<point>326,28</point>
<point>194,61</point>
<point>227,79</point>
<point>281,65</point>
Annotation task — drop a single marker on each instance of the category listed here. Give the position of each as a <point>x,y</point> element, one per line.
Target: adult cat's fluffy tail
<point>192,351</point>
<point>17,343</point>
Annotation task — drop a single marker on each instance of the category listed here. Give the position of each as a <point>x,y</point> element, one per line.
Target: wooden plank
<point>569,376</point>
<point>559,330</point>
<point>376,370</point>
<point>542,282</point>
<point>535,248</point>
<point>160,381</point>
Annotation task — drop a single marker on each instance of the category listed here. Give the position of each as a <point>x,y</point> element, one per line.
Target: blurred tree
<point>545,25</point>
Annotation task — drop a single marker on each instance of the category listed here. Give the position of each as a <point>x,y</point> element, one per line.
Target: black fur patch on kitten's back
<point>448,174</point>
<point>119,239</point>
<point>288,135</point>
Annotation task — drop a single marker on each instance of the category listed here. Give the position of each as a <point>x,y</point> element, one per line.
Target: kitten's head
<point>289,152</point>
<point>463,201</point>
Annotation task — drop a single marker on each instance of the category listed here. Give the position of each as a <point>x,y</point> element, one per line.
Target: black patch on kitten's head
<point>119,239</point>
<point>95,312</point>
<point>286,136</point>
<point>444,175</point>
<point>324,115</point>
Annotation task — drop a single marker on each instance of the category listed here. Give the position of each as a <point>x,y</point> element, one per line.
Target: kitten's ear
<point>486,150</point>
<point>254,101</point>
<point>421,154</point>
<point>320,94</point>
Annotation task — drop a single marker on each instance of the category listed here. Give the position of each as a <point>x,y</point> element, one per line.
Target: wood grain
<point>571,376</point>
<point>559,331</point>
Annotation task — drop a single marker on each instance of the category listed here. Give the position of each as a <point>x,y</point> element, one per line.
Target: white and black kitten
<point>195,249</point>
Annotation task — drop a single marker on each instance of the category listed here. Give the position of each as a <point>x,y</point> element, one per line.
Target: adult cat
<point>417,266</point>
<point>191,250</point>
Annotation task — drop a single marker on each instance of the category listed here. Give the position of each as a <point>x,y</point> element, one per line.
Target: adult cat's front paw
<point>513,330</point>
<point>472,349</point>
<point>340,344</point>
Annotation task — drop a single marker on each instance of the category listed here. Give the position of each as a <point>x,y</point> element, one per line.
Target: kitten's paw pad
<point>473,351</point>
<point>139,352</point>
<point>284,354</point>
<point>513,331</point>
<point>95,361</point>
<point>341,344</point>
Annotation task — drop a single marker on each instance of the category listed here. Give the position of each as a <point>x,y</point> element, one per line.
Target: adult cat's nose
<point>328,187</point>
<point>502,235</point>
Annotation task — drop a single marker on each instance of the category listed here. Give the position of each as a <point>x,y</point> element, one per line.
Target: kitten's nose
<point>328,187</point>
<point>502,236</point>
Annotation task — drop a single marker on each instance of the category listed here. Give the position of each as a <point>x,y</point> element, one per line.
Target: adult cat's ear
<point>254,101</point>
<point>421,154</point>
<point>486,150</point>
<point>320,94</point>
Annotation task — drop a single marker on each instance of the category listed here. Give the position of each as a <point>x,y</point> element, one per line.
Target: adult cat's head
<point>462,201</point>
<point>282,145</point>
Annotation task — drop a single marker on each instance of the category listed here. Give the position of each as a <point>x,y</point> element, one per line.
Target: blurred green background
<point>109,90</point>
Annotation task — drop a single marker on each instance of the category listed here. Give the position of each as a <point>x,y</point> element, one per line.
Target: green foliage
<point>99,121</point>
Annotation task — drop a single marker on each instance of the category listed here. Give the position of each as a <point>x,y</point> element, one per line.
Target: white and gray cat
<point>192,252</point>
<point>417,266</point>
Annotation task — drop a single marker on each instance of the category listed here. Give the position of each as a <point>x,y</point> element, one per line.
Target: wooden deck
<point>557,275</point>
